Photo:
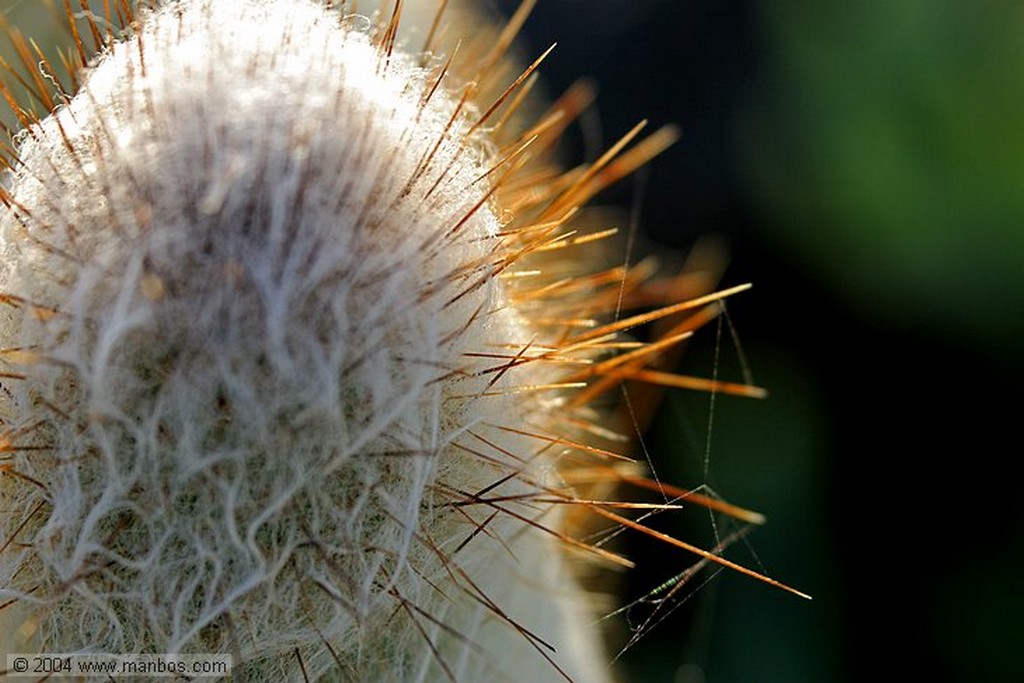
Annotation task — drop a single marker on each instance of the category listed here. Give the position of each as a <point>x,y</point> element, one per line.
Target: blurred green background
<point>865,164</point>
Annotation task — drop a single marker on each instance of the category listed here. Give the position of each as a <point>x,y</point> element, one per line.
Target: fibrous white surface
<point>244,270</point>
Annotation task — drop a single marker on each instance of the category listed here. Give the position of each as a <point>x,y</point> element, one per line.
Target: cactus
<point>298,362</point>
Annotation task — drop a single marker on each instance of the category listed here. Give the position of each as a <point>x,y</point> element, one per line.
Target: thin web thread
<point>748,375</point>
<point>748,378</point>
<point>640,181</point>
<point>711,416</point>
<point>714,392</point>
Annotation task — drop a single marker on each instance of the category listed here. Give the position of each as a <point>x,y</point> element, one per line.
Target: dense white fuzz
<point>238,312</point>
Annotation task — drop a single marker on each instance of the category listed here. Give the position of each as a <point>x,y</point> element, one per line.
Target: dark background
<point>862,161</point>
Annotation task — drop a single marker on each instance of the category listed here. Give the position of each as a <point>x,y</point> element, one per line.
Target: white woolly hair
<point>246,265</point>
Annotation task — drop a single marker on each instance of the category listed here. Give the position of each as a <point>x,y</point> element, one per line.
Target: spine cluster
<point>298,358</point>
